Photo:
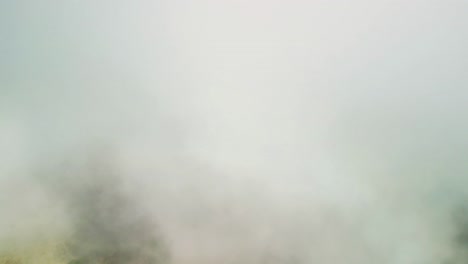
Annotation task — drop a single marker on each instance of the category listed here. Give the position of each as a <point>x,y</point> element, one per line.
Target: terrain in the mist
<point>107,225</point>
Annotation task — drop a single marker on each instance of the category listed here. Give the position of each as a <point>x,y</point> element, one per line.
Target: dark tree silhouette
<point>109,226</point>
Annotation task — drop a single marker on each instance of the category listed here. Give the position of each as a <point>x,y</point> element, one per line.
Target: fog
<point>203,131</point>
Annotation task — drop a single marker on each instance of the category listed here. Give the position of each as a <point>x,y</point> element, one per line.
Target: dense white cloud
<point>257,131</point>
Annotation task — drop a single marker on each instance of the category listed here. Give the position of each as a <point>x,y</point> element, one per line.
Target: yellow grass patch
<point>44,253</point>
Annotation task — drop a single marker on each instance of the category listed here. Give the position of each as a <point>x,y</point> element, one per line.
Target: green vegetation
<point>45,253</point>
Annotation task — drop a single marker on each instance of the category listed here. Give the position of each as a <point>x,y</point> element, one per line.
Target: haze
<point>325,132</point>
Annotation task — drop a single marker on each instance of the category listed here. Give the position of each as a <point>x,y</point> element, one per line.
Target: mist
<point>202,131</point>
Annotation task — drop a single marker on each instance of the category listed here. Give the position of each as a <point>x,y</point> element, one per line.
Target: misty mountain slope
<point>109,226</point>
